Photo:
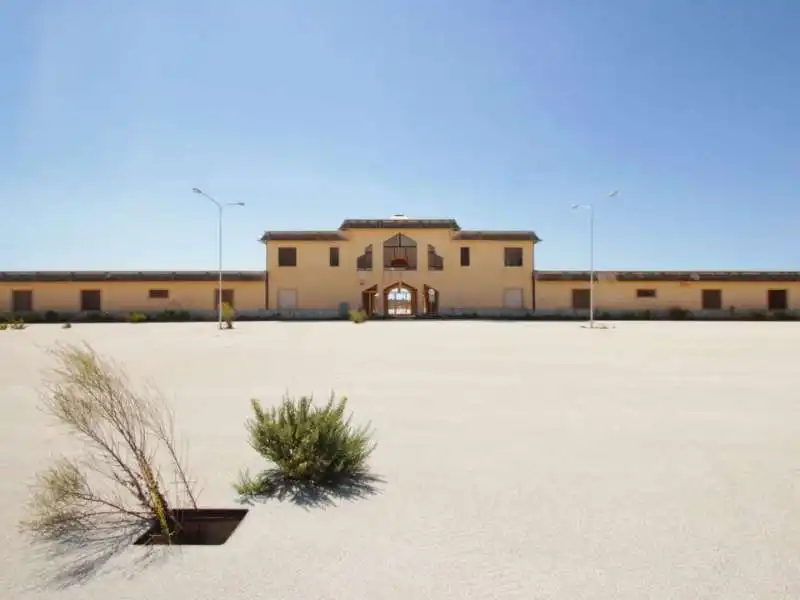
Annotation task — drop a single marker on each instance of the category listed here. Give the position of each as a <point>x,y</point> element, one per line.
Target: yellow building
<point>401,267</point>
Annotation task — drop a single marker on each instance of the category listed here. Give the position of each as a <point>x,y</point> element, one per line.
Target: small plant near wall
<point>314,453</point>
<point>67,325</point>
<point>676,313</point>
<point>137,317</point>
<point>358,316</point>
<point>228,315</point>
<point>3,326</point>
<point>117,483</point>
<point>17,324</point>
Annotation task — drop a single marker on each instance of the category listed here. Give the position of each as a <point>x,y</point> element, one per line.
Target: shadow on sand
<point>315,495</point>
<point>79,555</point>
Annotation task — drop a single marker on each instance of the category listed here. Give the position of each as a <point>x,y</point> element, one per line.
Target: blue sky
<point>499,113</point>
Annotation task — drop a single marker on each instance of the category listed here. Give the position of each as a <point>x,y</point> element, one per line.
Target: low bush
<point>137,317</point>
<point>228,315</point>
<point>3,326</point>
<point>170,315</point>
<point>52,316</point>
<point>676,313</point>
<point>67,325</point>
<point>18,324</point>
<point>306,444</point>
<point>358,316</point>
<point>97,316</point>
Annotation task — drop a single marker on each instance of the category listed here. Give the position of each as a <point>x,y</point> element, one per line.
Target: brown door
<point>777,300</point>
<point>368,300</point>
<point>227,297</point>
<point>91,300</point>
<point>581,299</point>
<point>21,301</point>
<point>712,299</point>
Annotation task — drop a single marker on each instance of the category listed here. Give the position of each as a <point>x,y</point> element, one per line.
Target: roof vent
<point>399,217</point>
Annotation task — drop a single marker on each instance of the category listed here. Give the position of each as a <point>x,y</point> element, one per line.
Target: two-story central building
<point>400,266</point>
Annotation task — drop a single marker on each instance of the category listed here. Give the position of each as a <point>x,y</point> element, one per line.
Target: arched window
<point>400,252</point>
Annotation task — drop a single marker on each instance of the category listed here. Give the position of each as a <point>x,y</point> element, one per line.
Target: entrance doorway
<point>777,300</point>
<point>400,300</point>
<point>368,297</point>
<point>431,300</point>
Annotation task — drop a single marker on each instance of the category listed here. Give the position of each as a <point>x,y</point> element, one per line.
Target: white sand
<point>523,460</point>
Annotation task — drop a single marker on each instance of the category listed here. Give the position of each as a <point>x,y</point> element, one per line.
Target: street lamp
<point>590,208</point>
<point>220,208</point>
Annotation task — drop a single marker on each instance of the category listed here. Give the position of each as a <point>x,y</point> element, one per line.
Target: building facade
<point>402,267</point>
<point>399,267</point>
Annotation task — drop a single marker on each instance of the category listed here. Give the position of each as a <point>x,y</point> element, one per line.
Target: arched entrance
<point>368,300</point>
<point>431,300</point>
<point>400,300</point>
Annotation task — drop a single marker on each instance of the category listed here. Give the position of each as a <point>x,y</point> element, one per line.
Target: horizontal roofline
<point>302,236</point>
<point>337,236</point>
<point>399,223</point>
<point>498,236</point>
<point>98,276</point>
<point>684,276</point>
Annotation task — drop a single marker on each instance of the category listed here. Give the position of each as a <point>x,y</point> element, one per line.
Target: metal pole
<point>591,266</point>
<point>219,266</point>
<point>220,208</point>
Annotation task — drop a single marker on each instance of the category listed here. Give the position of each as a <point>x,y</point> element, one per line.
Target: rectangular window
<point>333,257</point>
<point>465,257</point>
<point>513,257</point>
<point>91,300</point>
<point>21,301</point>
<point>287,257</point>
<point>777,300</point>
<point>712,299</point>
<point>645,293</point>
<point>581,299</point>
<point>158,294</point>
<point>227,297</point>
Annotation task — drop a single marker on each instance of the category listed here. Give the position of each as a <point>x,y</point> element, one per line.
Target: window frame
<point>292,251</point>
<point>711,292</point>
<point>510,252</point>
<point>158,294</point>
<point>26,293</point>
<point>334,256</point>
<point>465,256</point>
<point>646,293</point>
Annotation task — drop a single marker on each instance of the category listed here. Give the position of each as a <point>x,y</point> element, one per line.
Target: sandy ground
<point>522,460</point>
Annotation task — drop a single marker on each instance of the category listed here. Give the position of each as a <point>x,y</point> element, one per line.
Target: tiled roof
<point>98,276</point>
<point>669,275</point>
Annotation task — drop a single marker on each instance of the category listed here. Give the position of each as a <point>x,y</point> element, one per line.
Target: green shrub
<point>3,326</point>
<point>67,325</point>
<point>228,315</point>
<point>137,317</point>
<point>676,313</point>
<point>782,315</point>
<point>97,316</point>
<point>17,324</point>
<point>170,315</point>
<point>358,316</point>
<point>30,317</point>
<point>51,316</point>
<point>305,444</point>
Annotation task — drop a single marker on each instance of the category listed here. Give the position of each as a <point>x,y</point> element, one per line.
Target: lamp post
<point>590,208</point>
<point>220,208</point>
